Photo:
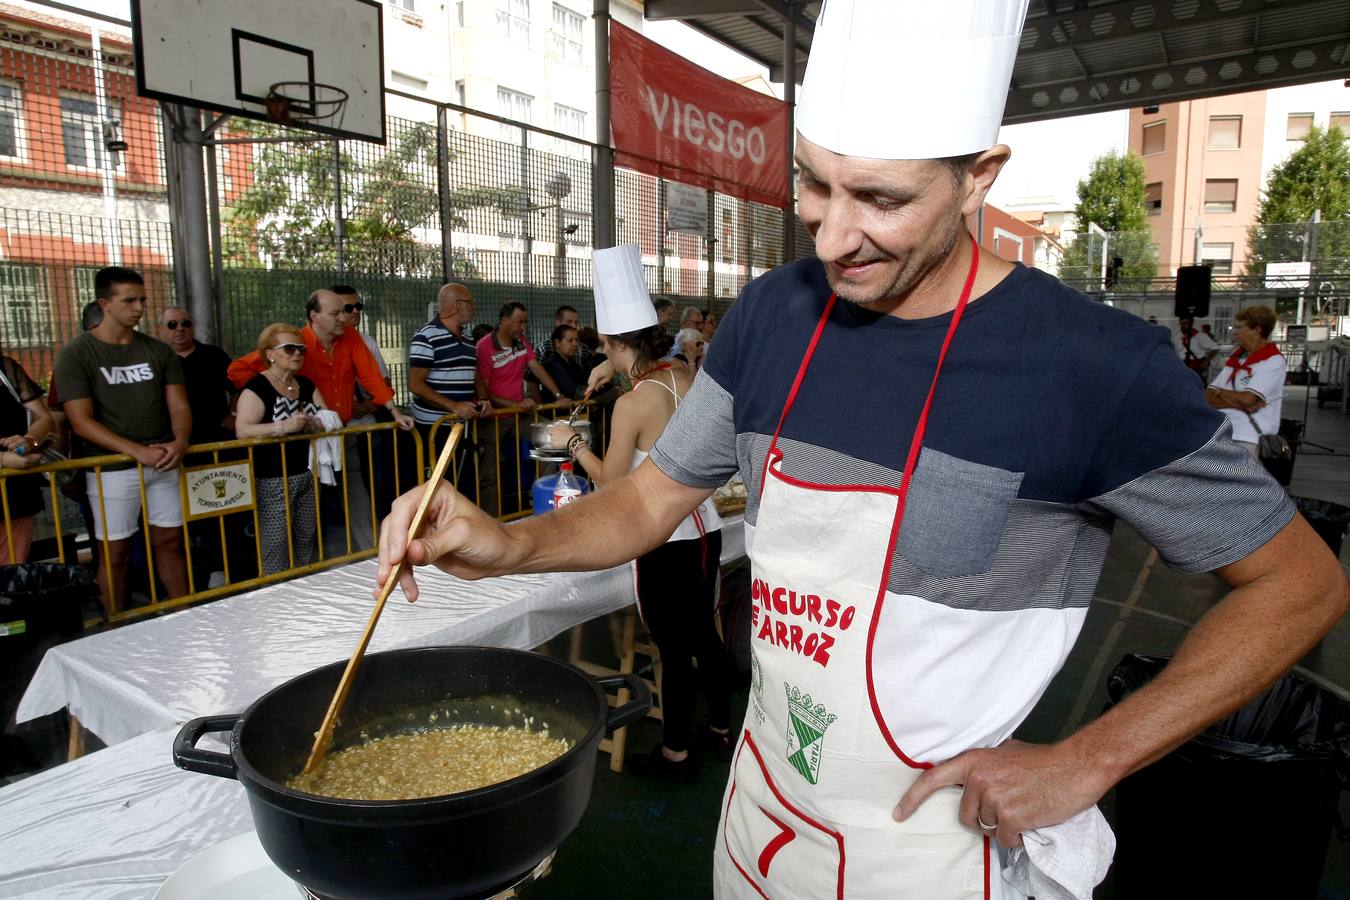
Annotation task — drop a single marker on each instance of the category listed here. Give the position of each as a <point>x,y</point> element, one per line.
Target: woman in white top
<point>677,582</point>
<point>1250,388</point>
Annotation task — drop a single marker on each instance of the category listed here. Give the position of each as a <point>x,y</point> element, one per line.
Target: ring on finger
<point>985,826</point>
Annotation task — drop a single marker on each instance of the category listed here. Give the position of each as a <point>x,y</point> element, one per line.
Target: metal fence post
<point>443,192</point>
<point>790,98</point>
<point>339,227</point>
<point>603,185</point>
<point>711,244</point>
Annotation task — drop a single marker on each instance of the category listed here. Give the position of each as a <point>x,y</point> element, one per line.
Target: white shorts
<point>122,501</point>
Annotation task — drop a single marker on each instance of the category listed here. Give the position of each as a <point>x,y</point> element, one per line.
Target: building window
<point>1155,138</point>
<point>1153,198</point>
<point>1221,195</point>
<point>566,40</point>
<point>1341,120</point>
<point>82,132</point>
<point>403,4</point>
<point>1219,257</point>
<point>25,311</point>
<point>513,21</point>
<point>569,121</point>
<point>515,106</point>
<point>11,121</point>
<point>1225,133</point>
<point>1298,126</point>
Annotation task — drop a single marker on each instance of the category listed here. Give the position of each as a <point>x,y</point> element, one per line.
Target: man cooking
<point>924,555</point>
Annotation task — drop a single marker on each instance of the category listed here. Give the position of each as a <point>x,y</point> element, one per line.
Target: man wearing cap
<point>923,557</point>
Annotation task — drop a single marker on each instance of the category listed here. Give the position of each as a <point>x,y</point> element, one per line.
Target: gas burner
<point>504,892</point>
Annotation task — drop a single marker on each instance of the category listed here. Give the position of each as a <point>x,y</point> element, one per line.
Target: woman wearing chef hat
<point>677,582</point>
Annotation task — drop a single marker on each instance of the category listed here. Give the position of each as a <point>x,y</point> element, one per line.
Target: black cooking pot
<point>461,845</point>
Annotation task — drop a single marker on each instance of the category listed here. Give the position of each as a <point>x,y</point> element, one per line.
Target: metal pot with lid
<point>460,845</point>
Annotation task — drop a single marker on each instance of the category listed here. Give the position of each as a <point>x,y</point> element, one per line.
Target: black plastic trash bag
<point>1245,809</point>
<point>39,599</point>
<point>1329,520</point>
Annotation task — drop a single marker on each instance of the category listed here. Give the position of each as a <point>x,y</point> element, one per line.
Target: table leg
<point>75,747</point>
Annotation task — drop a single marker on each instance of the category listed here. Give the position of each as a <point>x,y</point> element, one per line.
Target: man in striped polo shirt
<point>442,374</point>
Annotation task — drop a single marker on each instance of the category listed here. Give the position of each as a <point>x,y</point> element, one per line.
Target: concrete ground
<point>655,840</point>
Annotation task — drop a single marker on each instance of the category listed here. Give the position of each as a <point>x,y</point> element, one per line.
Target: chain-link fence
<point>454,194</point>
<point>508,212</point>
<point>1238,257</point>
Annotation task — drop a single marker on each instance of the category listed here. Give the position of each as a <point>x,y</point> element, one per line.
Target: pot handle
<point>187,755</point>
<point>634,709</point>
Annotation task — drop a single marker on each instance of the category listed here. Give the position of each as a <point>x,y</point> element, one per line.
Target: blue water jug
<point>542,491</point>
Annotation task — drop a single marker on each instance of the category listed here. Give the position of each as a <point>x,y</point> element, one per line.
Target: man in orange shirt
<point>336,360</point>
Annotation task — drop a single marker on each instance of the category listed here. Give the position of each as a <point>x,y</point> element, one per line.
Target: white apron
<point>807,810</point>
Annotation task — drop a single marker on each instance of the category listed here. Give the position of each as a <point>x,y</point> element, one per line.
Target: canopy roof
<point>1081,56</point>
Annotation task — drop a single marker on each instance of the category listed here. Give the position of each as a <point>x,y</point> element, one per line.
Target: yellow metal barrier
<point>490,428</point>
<point>235,453</point>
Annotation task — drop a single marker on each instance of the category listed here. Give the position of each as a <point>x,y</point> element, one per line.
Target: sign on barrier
<point>214,490</point>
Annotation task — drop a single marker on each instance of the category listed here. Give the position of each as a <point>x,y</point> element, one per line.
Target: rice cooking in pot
<point>431,763</point>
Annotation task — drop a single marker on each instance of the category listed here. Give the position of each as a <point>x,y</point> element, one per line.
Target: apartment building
<point>1207,161</point>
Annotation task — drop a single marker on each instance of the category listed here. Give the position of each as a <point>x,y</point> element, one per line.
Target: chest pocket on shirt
<point>955,514</point>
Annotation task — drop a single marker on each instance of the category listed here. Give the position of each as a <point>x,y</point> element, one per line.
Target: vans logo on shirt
<point>127,374</point>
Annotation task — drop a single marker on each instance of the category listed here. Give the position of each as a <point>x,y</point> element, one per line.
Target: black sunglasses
<point>353,307</point>
<point>292,349</point>
<point>173,324</point>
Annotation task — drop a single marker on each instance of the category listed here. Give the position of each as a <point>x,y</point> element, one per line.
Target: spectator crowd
<point>116,390</point>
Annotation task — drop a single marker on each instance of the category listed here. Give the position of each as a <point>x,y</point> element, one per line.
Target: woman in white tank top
<point>677,582</point>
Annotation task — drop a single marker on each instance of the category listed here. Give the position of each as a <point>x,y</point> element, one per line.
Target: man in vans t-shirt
<point>123,393</point>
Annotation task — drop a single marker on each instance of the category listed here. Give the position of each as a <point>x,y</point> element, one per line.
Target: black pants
<point>677,590</point>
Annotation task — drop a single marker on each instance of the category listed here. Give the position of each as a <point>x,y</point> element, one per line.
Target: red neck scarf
<point>1238,364</point>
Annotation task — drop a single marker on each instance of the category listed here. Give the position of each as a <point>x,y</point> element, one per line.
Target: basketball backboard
<point>227,56</point>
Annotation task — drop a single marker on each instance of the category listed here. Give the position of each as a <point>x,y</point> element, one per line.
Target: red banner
<point>676,120</point>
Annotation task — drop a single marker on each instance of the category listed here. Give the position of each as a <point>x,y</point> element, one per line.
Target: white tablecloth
<point>221,656</point>
<point>112,825</point>
<point>115,824</point>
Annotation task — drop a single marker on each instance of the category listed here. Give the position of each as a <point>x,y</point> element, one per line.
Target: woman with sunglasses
<point>274,403</point>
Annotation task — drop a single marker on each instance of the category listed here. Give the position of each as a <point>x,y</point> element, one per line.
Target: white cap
<point>622,303</point>
<point>909,79</point>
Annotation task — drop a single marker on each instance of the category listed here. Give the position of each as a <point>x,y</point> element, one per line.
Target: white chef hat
<point>622,303</point>
<point>909,79</point>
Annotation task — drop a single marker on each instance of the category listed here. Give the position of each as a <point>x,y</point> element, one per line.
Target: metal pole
<point>180,264</point>
<point>217,251</point>
<point>528,220</point>
<point>338,220</point>
<point>711,244</point>
<point>443,192</point>
<point>661,233</point>
<point>603,185</point>
<point>560,251</point>
<point>790,98</point>
<point>107,171</point>
<point>191,210</point>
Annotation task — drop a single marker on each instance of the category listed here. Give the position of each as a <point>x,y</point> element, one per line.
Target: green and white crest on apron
<point>807,722</point>
<point>757,687</point>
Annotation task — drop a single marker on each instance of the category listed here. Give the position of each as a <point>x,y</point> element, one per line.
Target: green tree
<point>285,215</point>
<point>1315,177</point>
<point>1113,198</point>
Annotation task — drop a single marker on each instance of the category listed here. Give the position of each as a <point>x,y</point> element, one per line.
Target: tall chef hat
<point>622,303</point>
<point>909,79</point>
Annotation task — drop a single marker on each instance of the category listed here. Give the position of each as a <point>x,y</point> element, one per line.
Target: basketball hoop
<point>305,103</point>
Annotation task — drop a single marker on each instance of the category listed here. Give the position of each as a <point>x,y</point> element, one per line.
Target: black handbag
<point>1275,453</point>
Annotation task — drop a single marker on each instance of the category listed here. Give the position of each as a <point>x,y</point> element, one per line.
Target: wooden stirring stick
<point>325,733</point>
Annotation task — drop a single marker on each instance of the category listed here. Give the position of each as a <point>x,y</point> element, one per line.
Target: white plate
<point>233,869</point>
